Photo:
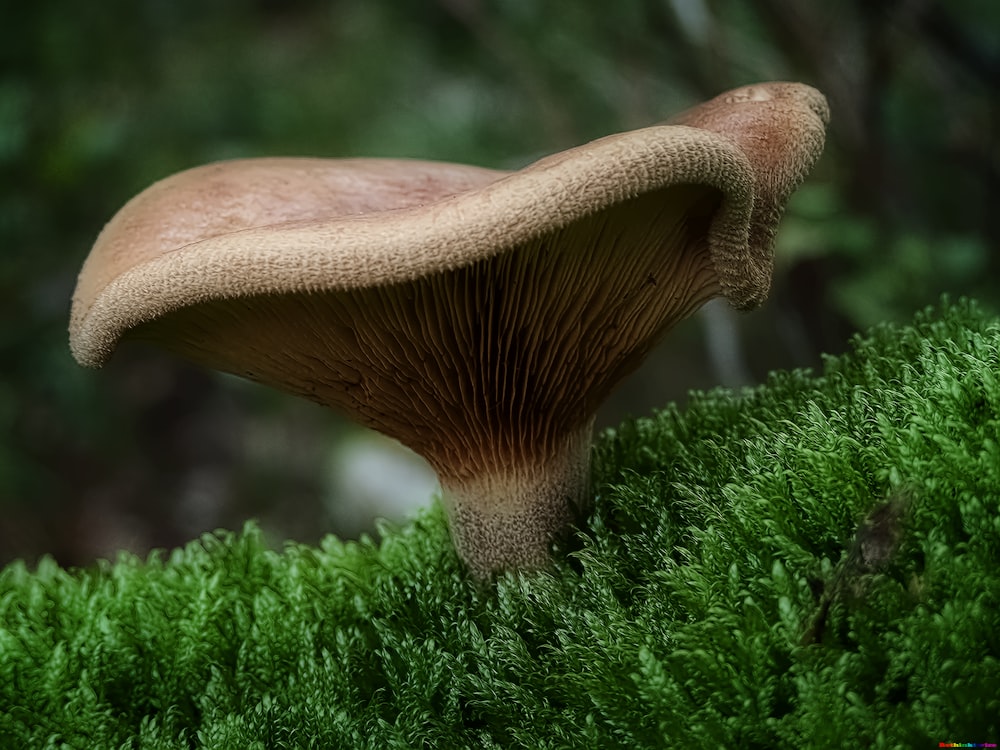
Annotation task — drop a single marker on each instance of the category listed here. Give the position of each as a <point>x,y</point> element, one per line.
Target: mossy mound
<point>812,563</point>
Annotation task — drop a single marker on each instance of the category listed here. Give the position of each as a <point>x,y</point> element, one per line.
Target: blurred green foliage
<point>99,100</point>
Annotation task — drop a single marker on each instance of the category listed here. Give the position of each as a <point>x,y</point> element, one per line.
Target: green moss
<point>814,563</point>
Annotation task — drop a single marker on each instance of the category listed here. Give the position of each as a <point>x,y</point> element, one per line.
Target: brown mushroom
<point>479,317</point>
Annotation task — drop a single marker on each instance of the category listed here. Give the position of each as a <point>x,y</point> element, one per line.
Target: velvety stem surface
<point>508,518</point>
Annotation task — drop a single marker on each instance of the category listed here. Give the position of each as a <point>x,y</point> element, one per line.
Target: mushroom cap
<point>266,226</point>
<point>476,315</point>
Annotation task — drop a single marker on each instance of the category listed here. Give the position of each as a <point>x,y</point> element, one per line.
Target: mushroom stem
<point>507,518</point>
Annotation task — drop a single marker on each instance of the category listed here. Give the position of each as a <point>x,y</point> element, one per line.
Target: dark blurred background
<point>98,100</point>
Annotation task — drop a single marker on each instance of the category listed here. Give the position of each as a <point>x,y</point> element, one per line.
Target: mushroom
<point>477,316</point>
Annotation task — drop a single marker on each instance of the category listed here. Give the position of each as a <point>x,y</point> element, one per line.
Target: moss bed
<point>811,563</point>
